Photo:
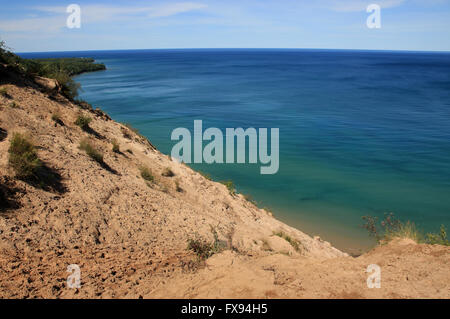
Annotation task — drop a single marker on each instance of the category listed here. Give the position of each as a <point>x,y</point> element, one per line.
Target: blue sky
<point>30,26</point>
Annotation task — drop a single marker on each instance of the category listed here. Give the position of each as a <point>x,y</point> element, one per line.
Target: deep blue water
<point>361,132</point>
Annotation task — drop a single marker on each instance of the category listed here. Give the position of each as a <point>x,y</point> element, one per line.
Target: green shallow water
<point>361,133</point>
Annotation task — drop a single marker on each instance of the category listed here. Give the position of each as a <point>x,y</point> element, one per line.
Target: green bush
<point>205,175</point>
<point>56,117</point>
<point>13,105</point>
<point>392,227</point>
<point>115,146</point>
<point>203,249</point>
<point>294,243</point>
<point>439,238</point>
<point>178,187</point>
<point>146,174</point>
<point>250,199</point>
<point>23,157</point>
<point>168,172</point>
<point>230,186</point>
<point>83,122</point>
<point>4,92</point>
<point>86,146</point>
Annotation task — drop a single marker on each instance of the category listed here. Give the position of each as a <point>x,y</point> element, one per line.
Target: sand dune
<point>129,237</point>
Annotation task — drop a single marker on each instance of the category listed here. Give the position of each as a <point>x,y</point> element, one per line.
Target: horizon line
<point>180,49</point>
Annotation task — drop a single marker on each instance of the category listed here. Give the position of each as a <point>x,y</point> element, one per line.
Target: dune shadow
<point>8,195</point>
<point>104,165</point>
<point>93,132</point>
<point>3,134</point>
<point>48,179</point>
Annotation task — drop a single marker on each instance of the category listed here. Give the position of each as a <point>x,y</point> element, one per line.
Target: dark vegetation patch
<point>115,147</point>
<point>167,172</point>
<point>230,186</point>
<point>205,249</point>
<point>391,227</point>
<point>83,122</point>
<point>56,117</point>
<point>94,154</point>
<point>4,93</point>
<point>60,69</point>
<point>146,174</point>
<point>27,166</point>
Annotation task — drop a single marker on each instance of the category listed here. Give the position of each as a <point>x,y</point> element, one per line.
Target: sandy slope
<point>129,238</point>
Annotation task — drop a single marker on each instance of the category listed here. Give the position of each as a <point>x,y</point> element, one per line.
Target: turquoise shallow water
<point>361,133</point>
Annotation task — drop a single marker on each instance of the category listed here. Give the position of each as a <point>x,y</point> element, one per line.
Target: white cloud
<point>55,16</point>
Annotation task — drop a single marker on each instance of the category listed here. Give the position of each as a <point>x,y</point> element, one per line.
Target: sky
<point>39,26</point>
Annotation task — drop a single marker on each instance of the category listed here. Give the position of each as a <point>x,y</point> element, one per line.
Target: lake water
<point>361,132</point>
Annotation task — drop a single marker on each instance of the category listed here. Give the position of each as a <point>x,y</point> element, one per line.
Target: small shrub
<point>265,245</point>
<point>115,146</point>
<point>13,105</point>
<point>205,175</point>
<point>168,172</point>
<point>250,199</point>
<point>178,187</point>
<point>146,174</point>
<point>4,92</point>
<point>230,186</point>
<point>131,128</point>
<point>126,133</point>
<point>83,122</point>
<point>392,227</point>
<point>294,243</point>
<point>268,210</point>
<point>439,238</point>
<point>56,117</point>
<point>91,151</point>
<point>23,157</point>
<point>203,248</point>
<point>404,230</point>
<point>82,104</point>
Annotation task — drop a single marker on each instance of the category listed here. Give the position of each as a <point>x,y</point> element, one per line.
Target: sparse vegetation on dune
<point>294,243</point>
<point>13,105</point>
<point>23,157</point>
<point>126,132</point>
<point>205,175</point>
<point>391,227</point>
<point>167,172</point>
<point>178,186</point>
<point>4,92</point>
<point>230,186</point>
<point>115,146</point>
<point>250,199</point>
<point>86,146</point>
<point>83,122</point>
<point>205,249</point>
<point>146,174</point>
